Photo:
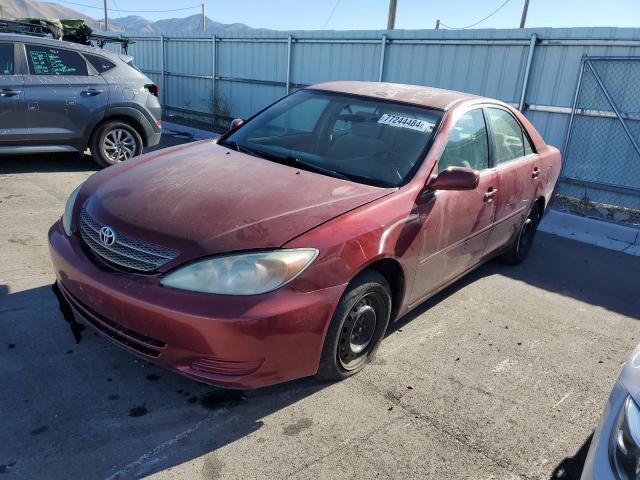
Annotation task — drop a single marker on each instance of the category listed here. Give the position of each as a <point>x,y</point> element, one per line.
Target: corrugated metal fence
<point>213,79</point>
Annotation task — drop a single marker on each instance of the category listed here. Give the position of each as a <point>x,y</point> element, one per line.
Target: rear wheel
<point>521,245</point>
<point>114,142</point>
<point>357,327</point>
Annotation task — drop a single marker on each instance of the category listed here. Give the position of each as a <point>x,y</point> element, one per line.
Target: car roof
<point>16,37</point>
<point>415,94</point>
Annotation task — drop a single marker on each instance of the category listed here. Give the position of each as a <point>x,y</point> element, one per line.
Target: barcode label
<point>403,122</point>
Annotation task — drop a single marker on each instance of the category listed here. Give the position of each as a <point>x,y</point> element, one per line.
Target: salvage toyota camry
<point>286,247</point>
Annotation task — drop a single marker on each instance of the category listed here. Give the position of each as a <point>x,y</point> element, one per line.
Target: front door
<point>13,122</point>
<point>456,224</point>
<point>62,97</point>
<point>518,172</point>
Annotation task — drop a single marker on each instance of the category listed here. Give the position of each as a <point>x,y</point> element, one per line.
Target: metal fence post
<point>527,70</point>
<point>567,139</point>
<point>288,80</point>
<point>213,80</point>
<point>383,48</point>
<point>162,73</point>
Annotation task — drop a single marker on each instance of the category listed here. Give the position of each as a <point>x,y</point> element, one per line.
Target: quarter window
<point>509,139</point>
<point>467,144</point>
<point>54,61</point>
<point>6,59</point>
<point>101,64</point>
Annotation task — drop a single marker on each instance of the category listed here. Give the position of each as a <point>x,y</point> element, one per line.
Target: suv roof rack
<point>78,33</point>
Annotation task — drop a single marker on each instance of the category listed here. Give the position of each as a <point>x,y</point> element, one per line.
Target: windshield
<point>361,139</point>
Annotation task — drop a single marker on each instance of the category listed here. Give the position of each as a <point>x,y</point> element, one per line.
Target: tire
<point>357,327</point>
<point>521,246</point>
<point>118,137</point>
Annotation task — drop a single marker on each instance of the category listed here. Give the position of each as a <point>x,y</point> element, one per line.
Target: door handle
<point>7,92</point>
<point>488,197</point>
<point>92,92</point>
<point>535,173</point>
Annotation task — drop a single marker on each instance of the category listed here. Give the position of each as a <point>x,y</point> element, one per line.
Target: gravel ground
<point>501,376</point>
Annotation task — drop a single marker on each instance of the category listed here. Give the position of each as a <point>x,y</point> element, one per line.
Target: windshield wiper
<point>236,146</point>
<point>318,168</point>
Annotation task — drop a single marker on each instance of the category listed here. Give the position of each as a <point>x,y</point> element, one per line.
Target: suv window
<point>467,144</point>
<point>45,60</point>
<point>101,64</point>
<point>6,58</point>
<point>509,139</point>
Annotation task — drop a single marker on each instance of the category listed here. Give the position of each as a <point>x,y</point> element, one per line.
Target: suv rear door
<point>65,96</point>
<point>13,124</point>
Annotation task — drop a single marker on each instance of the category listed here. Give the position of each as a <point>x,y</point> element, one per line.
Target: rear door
<point>65,96</point>
<point>518,170</point>
<point>13,124</point>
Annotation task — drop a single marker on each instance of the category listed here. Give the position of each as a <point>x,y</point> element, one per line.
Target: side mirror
<point>235,123</point>
<point>455,178</point>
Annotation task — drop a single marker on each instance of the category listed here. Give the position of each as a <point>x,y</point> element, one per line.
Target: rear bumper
<point>235,342</point>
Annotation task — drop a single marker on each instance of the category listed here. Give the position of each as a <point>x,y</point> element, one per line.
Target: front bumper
<point>234,342</point>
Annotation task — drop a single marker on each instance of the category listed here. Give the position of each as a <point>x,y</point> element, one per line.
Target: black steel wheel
<point>521,245</point>
<point>357,327</point>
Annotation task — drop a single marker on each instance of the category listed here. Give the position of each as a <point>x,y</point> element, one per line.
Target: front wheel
<point>357,327</point>
<point>114,142</point>
<point>521,245</point>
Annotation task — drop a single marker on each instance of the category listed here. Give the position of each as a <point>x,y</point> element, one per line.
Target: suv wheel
<point>114,142</point>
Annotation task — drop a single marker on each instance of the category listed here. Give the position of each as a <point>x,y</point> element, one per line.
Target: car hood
<point>203,199</point>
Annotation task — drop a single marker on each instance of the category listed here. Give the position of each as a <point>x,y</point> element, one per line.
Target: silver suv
<point>57,96</point>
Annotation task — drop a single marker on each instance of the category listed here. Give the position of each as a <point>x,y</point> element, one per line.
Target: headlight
<point>625,442</point>
<point>242,274</point>
<point>68,211</point>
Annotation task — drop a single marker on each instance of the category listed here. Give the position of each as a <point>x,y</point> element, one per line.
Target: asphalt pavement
<point>501,376</point>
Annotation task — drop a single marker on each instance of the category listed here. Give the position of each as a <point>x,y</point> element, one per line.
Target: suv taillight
<point>153,89</point>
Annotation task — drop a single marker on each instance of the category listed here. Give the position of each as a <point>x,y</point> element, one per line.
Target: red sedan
<point>286,247</point>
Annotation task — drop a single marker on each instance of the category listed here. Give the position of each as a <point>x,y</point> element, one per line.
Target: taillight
<point>153,89</point>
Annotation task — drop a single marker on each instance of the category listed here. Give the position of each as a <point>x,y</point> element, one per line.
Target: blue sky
<point>372,14</point>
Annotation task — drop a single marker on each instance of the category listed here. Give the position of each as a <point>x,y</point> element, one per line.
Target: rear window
<point>6,59</point>
<point>101,64</point>
<point>54,61</point>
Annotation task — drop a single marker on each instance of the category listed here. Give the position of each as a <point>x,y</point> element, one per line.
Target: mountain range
<point>11,9</point>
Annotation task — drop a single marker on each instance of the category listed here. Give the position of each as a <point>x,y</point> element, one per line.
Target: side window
<point>6,58</point>
<point>509,140</point>
<point>45,60</point>
<point>528,150</point>
<point>467,144</point>
<point>101,64</point>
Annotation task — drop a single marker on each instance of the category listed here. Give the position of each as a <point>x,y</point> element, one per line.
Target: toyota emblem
<point>107,236</point>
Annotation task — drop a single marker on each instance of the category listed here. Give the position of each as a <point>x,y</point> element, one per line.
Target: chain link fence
<point>601,171</point>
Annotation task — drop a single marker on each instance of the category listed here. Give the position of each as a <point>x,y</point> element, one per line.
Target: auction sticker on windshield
<point>404,122</point>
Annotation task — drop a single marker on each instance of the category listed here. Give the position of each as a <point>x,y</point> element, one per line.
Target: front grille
<point>127,251</point>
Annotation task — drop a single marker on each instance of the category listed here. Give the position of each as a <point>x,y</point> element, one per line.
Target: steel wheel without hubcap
<point>525,238</point>
<point>358,332</point>
<point>118,145</point>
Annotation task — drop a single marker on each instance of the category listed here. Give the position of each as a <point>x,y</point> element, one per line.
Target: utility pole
<point>204,21</point>
<point>523,19</point>
<point>438,24</point>
<point>106,21</point>
<point>391,22</point>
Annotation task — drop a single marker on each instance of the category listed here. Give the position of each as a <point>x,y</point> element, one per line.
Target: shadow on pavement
<point>571,467</point>
<point>73,162</point>
<point>590,274</point>
<point>84,405</point>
